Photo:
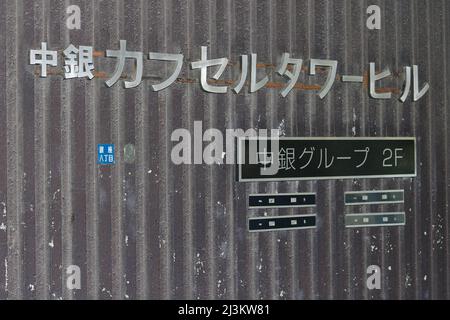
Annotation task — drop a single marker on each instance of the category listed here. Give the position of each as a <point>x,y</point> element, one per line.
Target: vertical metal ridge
<point>441,134</point>
<point>361,235</point>
<point>269,240</point>
<point>55,140</point>
<point>351,245</point>
<point>436,139</point>
<point>80,90</point>
<point>92,198</point>
<point>66,178</point>
<point>164,223</point>
<point>339,126</point>
<point>168,179</point>
<point>203,279</point>
<point>358,237</point>
<point>405,129</point>
<point>347,244</point>
<point>292,247</point>
<point>348,184</point>
<point>132,18</point>
<point>142,270</point>
<point>176,44</point>
<point>211,172</point>
<point>118,287</point>
<point>399,234</point>
<point>41,168</point>
<point>310,131</point>
<point>320,47</point>
<point>429,170</point>
<point>412,267</point>
<point>243,13</point>
<point>219,185</point>
<point>230,177</point>
<point>155,198</point>
<point>251,241</point>
<point>264,257</point>
<point>446,57</point>
<point>3,158</point>
<point>189,174</point>
<point>405,57</point>
<point>28,222</point>
<point>382,234</point>
<point>392,110</point>
<point>365,131</point>
<point>330,184</point>
<point>425,203</point>
<point>417,267</point>
<point>13,264</point>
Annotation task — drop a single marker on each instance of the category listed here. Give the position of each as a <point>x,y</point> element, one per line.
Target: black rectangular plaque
<point>327,158</point>
<point>375,219</point>
<point>281,200</point>
<point>374,197</point>
<point>281,223</point>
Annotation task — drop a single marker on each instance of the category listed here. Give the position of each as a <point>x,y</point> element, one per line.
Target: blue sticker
<point>105,154</point>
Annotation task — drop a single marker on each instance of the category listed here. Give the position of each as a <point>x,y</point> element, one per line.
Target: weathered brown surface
<point>151,229</point>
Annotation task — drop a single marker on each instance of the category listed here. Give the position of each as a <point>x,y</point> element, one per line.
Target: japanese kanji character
<point>244,70</point>
<point>79,62</point>
<point>376,77</point>
<point>310,153</point>
<point>330,77</point>
<point>283,70</point>
<point>271,163</point>
<point>123,54</point>
<point>47,58</point>
<point>254,85</point>
<point>178,58</point>
<point>416,94</point>
<point>264,157</point>
<point>366,151</point>
<point>275,153</point>
<point>327,165</point>
<point>203,65</point>
<point>287,158</point>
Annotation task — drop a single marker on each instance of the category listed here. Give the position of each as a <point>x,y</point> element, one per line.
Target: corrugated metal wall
<point>151,229</point>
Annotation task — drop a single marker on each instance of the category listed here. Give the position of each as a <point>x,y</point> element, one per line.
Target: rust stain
<point>270,85</point>
<point>99,54</point>
<point>366,79</point>
<point>387,90</point>
<point>265,65</point>
<point>100,75</point>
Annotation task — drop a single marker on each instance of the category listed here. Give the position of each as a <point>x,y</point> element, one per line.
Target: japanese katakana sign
<point>326,158</point>
<point>79,63</point>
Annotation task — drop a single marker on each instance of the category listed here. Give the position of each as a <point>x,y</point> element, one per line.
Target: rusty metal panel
<point>145,228</point>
